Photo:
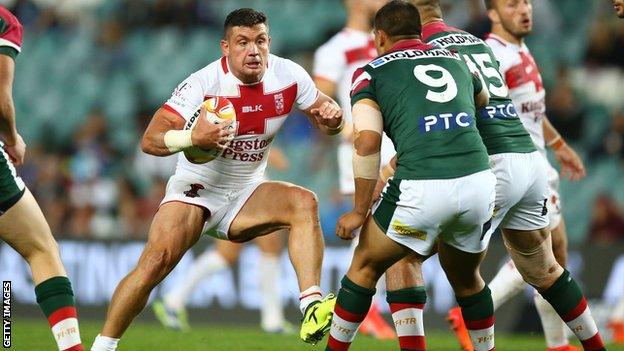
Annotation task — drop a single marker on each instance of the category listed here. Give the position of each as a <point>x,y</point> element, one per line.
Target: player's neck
<point>507,36</point>
<point>359,22</point>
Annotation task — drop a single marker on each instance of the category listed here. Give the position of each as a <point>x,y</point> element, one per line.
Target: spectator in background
<point>606,43</point>
<point>565,110</point>
<point>607,223</point>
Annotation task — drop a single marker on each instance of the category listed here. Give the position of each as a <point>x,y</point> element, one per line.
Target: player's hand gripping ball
<point>218,110</point>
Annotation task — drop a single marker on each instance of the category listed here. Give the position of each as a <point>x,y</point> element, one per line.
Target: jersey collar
<point>414,44</point>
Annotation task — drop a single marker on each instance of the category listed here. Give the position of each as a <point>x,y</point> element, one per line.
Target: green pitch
<point>30,334</point>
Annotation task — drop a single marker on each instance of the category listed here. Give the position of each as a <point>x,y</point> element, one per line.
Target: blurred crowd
<point>90,187</point>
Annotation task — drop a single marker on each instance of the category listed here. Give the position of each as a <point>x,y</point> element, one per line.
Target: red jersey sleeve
<point>11,33</point>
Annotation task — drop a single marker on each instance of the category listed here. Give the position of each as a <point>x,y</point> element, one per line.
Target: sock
<point>56,298</point>
<point>272,315</point>
<point>478,313</point>
<point>104,343</point>
<point>407,306</point>
<point>554,328</point>
<point>352,306</point>
<point>308,296</point>
<point>567,299</point>
<point>207,264</point>
<point>506,284</point>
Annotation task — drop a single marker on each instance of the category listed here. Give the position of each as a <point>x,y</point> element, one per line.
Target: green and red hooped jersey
<point>426,97</point>
<point>11,33</point>
<point>500,127</point>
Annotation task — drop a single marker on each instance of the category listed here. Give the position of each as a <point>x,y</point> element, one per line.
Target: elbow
<point>147,146</point>
<point>367,143</point>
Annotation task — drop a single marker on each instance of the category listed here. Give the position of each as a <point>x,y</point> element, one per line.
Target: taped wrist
<point>386,172</point>
<point>366,167</point>
<point>178,140</point>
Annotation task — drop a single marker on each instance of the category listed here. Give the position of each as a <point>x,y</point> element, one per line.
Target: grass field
<point>34,335</point>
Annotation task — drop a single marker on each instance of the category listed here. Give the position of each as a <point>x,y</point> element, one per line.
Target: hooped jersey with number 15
<point>261,109</point>
<point>498,123</point>
<point>426,98</point>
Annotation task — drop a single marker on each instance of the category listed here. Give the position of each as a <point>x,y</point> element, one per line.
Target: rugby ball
<point>218,110</point>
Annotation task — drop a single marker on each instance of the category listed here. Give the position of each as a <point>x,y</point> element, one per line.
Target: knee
<point>43,247</point>
<point>154,266</point>
<point>303,202</point>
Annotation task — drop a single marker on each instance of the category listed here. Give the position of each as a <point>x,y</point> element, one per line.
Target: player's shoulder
<point>436,28</point>
<point>285,67</point>
<point>11,32</point>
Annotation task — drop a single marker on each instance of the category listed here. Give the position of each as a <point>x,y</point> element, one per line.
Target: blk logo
<point>194,189</point>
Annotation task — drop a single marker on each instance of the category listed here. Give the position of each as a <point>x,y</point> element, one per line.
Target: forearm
<point>363,194</point>
<point>8,131</point>
<point>552,137</point>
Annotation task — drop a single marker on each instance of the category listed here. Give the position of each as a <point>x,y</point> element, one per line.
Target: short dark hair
<point>489,4</point>
<point>398,18</point>
<point>244,17</point>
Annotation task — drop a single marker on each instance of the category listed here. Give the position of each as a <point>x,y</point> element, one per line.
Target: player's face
<point>618,6</point>
<point>515,16</point>
<point>247,50</point>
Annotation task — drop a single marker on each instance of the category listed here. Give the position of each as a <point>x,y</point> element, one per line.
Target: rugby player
<point>171,309</point>
<point>522,189</point>
<point>22,224</point>
<point>334,64</point>
<point>424,99</point>
<point>228,197</point>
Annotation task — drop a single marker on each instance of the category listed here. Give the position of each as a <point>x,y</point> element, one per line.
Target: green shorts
<point>12,187</point>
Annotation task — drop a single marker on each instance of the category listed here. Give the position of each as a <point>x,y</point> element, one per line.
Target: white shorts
<point>222,204</point>
<point>521,191</point>
<point>415,213</point>
<point>345,162</point>
<point>554,203</point>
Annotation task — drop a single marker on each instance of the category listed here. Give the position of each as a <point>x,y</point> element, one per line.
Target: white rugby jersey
<point>525,85</point>
<point>261,109</point>
<point>338,58</point>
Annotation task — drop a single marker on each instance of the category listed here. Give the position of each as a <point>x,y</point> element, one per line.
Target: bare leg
<point>278,205</point>
<point>25,229</point>
<point>175,228</point>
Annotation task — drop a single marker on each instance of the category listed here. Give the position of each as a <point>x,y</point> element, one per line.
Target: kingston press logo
<point>6,314</point>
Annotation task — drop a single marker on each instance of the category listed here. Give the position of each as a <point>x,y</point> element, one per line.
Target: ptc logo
<point>445,121</point>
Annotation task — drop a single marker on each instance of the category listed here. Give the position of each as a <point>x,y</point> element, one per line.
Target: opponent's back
<point>426,97</point>
<point>498,123</point>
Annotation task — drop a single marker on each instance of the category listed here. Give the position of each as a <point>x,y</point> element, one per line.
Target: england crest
<point>279,103</point>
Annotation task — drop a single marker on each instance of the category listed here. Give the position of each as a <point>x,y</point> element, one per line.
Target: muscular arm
<point>153,141</point>
<point>366,158</point>
<point>325,86</point>
<point>8,130</point>
<point>325,114</point>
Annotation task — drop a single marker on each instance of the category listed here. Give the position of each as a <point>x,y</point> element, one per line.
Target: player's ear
<point>493,16</point>
<point>225,47</point>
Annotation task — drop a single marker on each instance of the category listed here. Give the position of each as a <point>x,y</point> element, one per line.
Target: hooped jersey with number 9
<point>426,97</point>
<point>261,109</point>
<point>11,33</point>
<point>498,123</point>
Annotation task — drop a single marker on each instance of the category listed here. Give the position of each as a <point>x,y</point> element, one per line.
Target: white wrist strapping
<point>366,167</point>
<point>178,140</point>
